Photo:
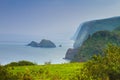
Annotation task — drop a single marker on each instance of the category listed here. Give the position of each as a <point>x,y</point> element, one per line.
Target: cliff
<point>87,29</point>
<point>90,27</point>
<point>95,44</point>
<point>70,54</point>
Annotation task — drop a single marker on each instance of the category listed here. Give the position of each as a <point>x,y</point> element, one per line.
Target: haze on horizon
<point>23,20</point>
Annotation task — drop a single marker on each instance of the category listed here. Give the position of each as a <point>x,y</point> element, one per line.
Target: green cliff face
<point>95,43</point>
<point>90,27</point>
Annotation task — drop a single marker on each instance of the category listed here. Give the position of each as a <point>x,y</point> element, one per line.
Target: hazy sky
<point>52,19</point>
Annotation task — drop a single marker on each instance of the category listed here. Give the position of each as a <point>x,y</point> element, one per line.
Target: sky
<point>27,20</point>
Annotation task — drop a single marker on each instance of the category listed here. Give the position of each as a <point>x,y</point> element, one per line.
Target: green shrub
<point>105,67</point>
<point>21,63</point>
<point>27,76</point>
<point>6,75</point>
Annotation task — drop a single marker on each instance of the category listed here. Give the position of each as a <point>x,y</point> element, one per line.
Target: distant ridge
<point>88,29</point>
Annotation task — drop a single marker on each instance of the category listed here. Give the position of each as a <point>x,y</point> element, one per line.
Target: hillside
<point>90,27</point>
<point>87,29</point>
<point>96,42</point>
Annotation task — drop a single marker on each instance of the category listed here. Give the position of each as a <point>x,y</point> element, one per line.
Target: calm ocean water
<point>14,51</point>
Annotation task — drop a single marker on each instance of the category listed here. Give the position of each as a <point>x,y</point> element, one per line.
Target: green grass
<point>48,72</point>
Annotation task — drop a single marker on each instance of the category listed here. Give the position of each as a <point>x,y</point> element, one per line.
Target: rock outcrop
<point>71,53</point>
<point>88,28</point>
<point>43,44</point>
<point>33,44</point>
<point>60,45</point>
<point>46,44</point>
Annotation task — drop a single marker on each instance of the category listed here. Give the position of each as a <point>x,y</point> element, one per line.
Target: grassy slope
<point>49,72</point>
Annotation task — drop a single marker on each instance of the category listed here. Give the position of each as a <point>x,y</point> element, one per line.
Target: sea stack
<point>33,44</point>
<point>46,44</point>
<point>43,44</point>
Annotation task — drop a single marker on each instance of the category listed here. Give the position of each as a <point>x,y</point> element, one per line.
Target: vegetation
<point>103,64</point>
<point>21,63</point>
<point>106,67</point>
<point>95,44</point>
<point>100,67</point>
<point>6,75</point>
<point>42,72</point>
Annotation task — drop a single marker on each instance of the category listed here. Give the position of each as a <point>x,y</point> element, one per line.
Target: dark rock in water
<point>60,45</point>
<point>43,44</point>
<point>46,44</point>
<point>71,53</point>
<point>33,44</point>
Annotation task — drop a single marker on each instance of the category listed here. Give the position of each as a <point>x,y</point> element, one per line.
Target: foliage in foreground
<point>6,75</point>
<point>106,67</point>
<point>42,72</point>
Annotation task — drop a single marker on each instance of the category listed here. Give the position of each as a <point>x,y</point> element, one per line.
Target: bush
<point>6,75</point>
<point>105,67</point>
<point>25,63</point>
<point>21,63</point>
<point>27,76</point>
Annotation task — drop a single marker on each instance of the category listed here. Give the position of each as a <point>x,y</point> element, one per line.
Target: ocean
<point>17,51</point>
